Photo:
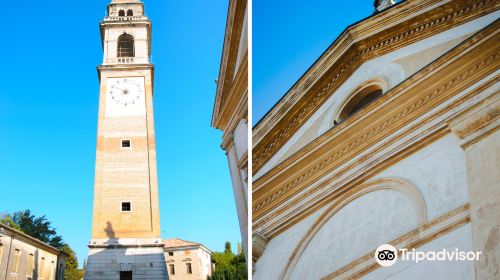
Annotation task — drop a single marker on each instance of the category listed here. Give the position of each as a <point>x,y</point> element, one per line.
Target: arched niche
<point>357,222</point>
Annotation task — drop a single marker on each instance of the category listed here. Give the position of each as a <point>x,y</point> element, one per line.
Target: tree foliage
<point>7,220</point>
<point>36,227</point>
<point>72,272</point>
<point>229,266</point>
<point>41,229</point>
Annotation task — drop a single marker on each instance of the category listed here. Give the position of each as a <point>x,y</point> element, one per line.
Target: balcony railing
<point>127,60</point>
<point>125,18</point>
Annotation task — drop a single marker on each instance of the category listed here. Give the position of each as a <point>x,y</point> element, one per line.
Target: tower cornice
<point>126,67</point>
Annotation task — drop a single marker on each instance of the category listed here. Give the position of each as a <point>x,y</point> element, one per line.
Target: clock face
<point>125,96</point>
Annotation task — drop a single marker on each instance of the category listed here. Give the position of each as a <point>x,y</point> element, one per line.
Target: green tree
<point>227,247</point>
<point>36,227</point>
<point>7,220</point>
<point>71,272</point>
<point>229,266</point>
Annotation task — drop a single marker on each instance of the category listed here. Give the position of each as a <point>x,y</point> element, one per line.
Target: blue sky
<point>288,36</point>
<point>48,116</point>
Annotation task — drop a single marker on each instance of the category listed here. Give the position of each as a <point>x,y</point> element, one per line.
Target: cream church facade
<point>126,241</point>
<point>230,112</point>
<point>390,137</point>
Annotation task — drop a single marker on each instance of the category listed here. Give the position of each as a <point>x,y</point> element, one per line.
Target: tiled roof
<point>176,242</point>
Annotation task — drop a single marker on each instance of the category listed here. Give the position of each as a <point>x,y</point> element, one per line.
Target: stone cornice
<point>236,106</point>
<point>397,27</point>
<point>243,161</point>
<point>231,111</point>
<point>126,67</point>
<point>230,50</point>
<point>477,122</point>
<point>464,66</point>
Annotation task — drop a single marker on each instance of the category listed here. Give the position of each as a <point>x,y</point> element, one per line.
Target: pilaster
<point>478,135</point>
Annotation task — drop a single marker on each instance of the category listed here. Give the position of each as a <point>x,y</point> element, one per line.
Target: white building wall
<point>438,171</point>
<point>456,270</point>
<point>279,249</point>
<point>236,153</point>
<point>11,246</point>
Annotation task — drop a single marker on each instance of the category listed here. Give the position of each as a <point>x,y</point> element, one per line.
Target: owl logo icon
<point>386,255</point>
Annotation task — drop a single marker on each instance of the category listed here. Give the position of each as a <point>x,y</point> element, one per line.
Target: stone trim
<point>414,239</point>
<point>234,24</point>
<point>477,122</point>
<point>399,185</point>
<point>259,243</point>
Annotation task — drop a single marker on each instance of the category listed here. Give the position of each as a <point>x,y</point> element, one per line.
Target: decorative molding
<point>234,25</point>
<point>345,56</point>
<point>354,193</point>
<point>439,81</point>
<point>259,243</point>
<point>236,106</point>
<point>243,161</point>
<point>416,238</point>
<point>477,122</point>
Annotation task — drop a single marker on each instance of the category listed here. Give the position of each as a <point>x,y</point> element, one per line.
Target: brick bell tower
<point>126,241</point>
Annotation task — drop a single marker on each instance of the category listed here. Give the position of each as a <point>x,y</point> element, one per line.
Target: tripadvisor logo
<point>387,255</point>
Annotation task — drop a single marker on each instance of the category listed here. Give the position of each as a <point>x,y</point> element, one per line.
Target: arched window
<point>121,13</point>
<point>130,13</point>
<point>359,100</point>
<point>126,45</point>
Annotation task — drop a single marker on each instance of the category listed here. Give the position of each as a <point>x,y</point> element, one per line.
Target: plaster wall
<point>275,257</point>
<point>199,259</point>
<point>437,171</point>
<point>483,166</point>
<point>241,139</point>
<point>459,270</point>
<point>44,262</point>
<point>386,214</point>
